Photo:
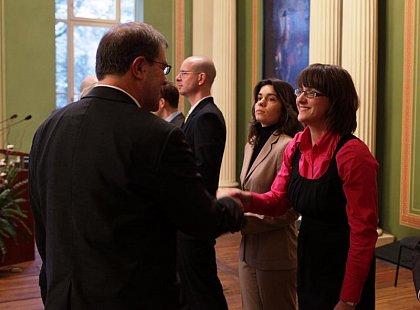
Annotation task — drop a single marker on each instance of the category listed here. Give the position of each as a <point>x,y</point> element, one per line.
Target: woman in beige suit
<point>267,267</point>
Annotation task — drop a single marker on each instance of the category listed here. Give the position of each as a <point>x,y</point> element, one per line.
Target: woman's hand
<point>244,197</point>
<point>341,305</point>
<point>292,214</point>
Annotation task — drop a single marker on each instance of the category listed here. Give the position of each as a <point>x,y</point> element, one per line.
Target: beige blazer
<point>268,243</point>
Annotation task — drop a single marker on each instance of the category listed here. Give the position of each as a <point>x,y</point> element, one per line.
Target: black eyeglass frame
<point>308,93</point>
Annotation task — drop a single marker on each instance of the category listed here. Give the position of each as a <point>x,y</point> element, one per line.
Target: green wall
<point>389,120</point>
<point>244,82</point>
<point>29,66</point>
<point>29,82</point>
<point>244,73</point>
<point>390,73</point>
<point>164,21</point>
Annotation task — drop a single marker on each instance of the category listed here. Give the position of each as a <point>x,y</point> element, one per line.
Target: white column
<point>359,57</point>
<point>203,28</point>
<point>224,89</point>
<point>179,40</point>
<point>325,32</point>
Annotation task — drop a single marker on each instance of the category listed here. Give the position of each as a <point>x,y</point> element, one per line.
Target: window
<point>79,26</point>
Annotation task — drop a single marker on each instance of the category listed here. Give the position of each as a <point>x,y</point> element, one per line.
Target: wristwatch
<point>349,303</point>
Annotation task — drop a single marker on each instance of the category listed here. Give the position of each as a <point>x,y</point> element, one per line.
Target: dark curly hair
<point>288,123</point>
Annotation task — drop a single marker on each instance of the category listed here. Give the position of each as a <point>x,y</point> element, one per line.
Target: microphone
<point>8,119</point>
<point>28,117</point>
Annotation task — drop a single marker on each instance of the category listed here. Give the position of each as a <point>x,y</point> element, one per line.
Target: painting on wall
<point>286,39</point>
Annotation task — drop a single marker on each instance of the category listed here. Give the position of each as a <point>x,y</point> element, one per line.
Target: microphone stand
<point>8,119</point>
<point>28,117</point>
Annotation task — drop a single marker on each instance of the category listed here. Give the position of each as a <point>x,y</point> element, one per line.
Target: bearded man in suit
<point>205,131</point>
<point>111,183</point>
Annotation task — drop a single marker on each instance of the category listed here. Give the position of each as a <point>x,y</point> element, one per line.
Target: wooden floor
<point>19,285</point>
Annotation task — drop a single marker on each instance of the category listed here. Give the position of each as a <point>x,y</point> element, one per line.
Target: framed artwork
<point>286,39</point>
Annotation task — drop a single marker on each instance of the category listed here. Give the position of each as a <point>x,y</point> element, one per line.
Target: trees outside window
<point>79,26</point>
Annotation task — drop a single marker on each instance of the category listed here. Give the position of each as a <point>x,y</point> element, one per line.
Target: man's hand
<point>244,197</point>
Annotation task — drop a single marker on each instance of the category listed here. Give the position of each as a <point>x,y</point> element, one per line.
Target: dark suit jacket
<point>205,131</point>
<point>110,184</point>
<point>178,120</point>
<point>268,243</point>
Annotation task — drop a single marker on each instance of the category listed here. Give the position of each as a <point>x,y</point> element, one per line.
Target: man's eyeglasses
<point>184,73</point>
<point>307,93</point>
<point>166,68</point>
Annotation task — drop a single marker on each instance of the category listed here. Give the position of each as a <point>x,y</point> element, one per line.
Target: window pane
<point>61,82</point>
<point>60,100</point>
<point>127,11</point>
<point>61,9</point>
<point>99,9</point>
<point>86,39</point>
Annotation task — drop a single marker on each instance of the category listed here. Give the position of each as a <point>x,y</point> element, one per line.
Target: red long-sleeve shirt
<point>357,169</point>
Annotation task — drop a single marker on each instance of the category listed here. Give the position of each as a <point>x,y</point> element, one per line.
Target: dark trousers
<point>197,269</point>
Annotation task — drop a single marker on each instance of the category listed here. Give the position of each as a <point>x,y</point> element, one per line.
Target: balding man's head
<point>87,84</point>
<point>205,65</point>
<point>195,78</point>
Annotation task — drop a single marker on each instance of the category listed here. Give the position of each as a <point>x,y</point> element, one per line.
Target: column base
<point>384,238</point>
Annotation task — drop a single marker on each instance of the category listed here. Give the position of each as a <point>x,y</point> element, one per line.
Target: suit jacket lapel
<point>245,165</point>
<point>196,110</point>
<point>265,151</point>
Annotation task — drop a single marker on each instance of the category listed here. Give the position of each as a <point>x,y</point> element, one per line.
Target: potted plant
<point>14,209</point>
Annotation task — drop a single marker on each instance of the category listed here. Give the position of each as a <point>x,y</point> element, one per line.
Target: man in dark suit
<point>111,183</point>
<point>205,131</point>
<point>168,105</point>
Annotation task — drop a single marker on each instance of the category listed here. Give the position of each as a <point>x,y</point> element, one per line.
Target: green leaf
<point>11,201</point>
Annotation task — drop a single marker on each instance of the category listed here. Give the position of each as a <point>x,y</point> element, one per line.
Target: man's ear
<point>161,103</point>
<point>202,78</point>
<point>137,66</point>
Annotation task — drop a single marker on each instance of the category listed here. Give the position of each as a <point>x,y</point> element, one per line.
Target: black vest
<point>324,236</point>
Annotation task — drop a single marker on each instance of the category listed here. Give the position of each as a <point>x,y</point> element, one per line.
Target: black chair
<point>416,272</point>
<point>410,244</point>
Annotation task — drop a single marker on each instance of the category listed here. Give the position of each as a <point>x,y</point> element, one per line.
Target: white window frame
<point>73,21</point>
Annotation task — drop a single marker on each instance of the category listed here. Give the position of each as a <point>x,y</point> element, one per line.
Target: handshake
<point>243,198</point>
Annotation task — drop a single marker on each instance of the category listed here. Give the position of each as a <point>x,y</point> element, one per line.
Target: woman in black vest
<point>329,176</point>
